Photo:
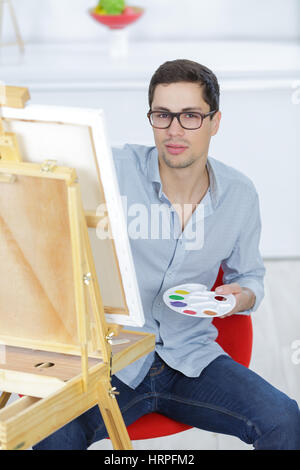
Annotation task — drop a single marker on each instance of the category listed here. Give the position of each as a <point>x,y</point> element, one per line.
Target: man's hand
<point>245,298</point>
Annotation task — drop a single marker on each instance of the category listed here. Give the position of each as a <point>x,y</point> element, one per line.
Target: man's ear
<point>215,123</point>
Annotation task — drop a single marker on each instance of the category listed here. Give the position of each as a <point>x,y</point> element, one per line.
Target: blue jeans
<point>226,398</point>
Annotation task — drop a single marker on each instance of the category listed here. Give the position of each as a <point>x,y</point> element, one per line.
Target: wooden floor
<point>276,329</point>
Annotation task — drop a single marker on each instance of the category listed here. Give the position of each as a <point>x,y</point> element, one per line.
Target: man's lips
<point>175,149</point>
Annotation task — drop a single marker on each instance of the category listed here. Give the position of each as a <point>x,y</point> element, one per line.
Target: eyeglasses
<point>187,120</point>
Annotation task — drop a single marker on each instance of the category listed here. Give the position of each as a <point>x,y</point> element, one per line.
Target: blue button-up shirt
<point>228,221</point>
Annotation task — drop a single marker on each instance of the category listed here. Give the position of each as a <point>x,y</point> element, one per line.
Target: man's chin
<point>175,162</point>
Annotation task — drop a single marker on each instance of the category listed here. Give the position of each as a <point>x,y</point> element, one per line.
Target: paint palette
<point>195,300</point>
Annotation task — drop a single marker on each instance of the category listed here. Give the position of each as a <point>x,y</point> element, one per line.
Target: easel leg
<point>16,27</point>
<point>4,397</point>
<point>112,418</point>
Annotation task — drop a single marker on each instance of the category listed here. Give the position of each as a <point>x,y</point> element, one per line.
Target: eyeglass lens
<point>187,120</point>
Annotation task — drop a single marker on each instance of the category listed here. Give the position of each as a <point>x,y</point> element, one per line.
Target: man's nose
<point>175,127</point>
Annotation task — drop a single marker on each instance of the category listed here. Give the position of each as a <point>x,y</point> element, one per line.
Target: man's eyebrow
<point>160,108</point>
<point>191,108</point>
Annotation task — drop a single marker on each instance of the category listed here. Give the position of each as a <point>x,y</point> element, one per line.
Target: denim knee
<point>76,435</point>
<point>281,429</point>
<point>69,437</point>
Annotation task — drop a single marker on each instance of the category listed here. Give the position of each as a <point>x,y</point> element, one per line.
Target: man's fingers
<point>233,288</point>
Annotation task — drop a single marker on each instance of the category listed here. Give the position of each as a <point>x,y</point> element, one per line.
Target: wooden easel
<point>14,97</point>
<point>63,367</point>
<point>19,40</point>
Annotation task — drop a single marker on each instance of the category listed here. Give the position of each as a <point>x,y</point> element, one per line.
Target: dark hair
<point>183,70</point>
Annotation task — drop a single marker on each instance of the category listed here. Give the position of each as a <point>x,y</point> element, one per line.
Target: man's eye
<point>163,115</point>
<point>190,115</point>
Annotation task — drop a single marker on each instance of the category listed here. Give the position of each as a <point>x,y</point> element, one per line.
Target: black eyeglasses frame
<point>177,115</point>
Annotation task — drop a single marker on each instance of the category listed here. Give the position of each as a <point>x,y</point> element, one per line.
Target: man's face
<point>178,147</point>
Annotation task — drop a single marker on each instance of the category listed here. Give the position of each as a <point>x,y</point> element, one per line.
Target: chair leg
<point>4,397</point>
<point>112,417</point>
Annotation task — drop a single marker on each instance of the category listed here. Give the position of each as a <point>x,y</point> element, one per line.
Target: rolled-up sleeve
<point>245,265</point>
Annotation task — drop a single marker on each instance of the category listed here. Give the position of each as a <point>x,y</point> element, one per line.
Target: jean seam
<point>159,371</point>
<point>136,400</point>
<point>247,421</point>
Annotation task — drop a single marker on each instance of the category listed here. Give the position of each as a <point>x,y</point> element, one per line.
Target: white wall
<point>66,62</point>
<point>267,149</point>
<point>259,136</point>
<point>68,20</point>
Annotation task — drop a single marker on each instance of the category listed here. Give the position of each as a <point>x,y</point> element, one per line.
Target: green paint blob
<point>176,297</point>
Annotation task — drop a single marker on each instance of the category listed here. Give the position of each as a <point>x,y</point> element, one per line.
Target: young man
<point>212,212</point>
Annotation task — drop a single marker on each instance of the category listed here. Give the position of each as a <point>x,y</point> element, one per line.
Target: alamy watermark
<point>296,354</point>
<point>296,93</point>
<point>156,222</point>
<point>2,94</point>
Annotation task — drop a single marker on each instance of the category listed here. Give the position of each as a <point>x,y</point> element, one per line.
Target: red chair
<point>235,336</point>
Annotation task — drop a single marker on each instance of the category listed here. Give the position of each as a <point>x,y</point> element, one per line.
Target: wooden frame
<point>62,380</point>
<point>15,97</point>
<point>77,137</point>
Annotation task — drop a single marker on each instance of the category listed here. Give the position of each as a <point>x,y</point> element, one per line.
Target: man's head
<point>182,70</point>
<point>184,86</point>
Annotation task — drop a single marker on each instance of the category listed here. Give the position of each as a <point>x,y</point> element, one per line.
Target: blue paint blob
<point>178,304</point>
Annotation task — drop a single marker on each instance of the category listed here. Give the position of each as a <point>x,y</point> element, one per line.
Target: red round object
<point>130,15</point>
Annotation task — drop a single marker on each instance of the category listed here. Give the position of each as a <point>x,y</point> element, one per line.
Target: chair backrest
<point>235,336</point>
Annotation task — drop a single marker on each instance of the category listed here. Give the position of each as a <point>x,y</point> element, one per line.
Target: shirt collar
<point>152,166</point>
<point>214,182</point>
<point>154,176</point>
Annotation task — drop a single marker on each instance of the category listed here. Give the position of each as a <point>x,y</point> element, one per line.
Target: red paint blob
<point>219,297</point>
<point>191,312</point>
